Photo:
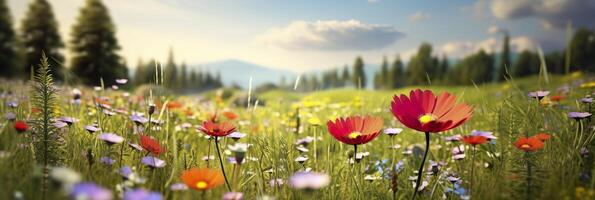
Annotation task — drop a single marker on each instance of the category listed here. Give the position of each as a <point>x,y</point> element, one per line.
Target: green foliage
<point>171,71</point>
<point>39,33</point>
<point>94,46</point>
<point>397,73</point>
<point>504,58</point>
<point>48,142</point>
<point>476,68</point>
<point>359,75</point>
<point>422,66</point>
<point>582,47</point>
<point>8,54</point>
<point>526,64</point>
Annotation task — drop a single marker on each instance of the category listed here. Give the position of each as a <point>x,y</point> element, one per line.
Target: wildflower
<point>217,129</point>
<point>301,159</point>
<point>305,141</point>
<point>474,140</point>
<point>542,136</point>
<point>557,98</point>
<point>68,120</point>
<point>302,149</point>
<point>276,182</point>
<point>309,180</point>
<point>151,145</point>
<point>453,138</point>
<point>121,81</point>
<point>12,104</point>
<point>110,138</point>
<point>528,144</point>
<point>393,131</point>
<point>538,94</point>
<point>10,116</point>
<point>138,119</point>
<point>141,194</point>
<point>178,187</point>
<point>579,115</point>
<point>21,126</point>
<point>65,176</point>
<point>233,196</point>
<point>239,150</point>
<point>59,124</point>
<point>236,135</point>
<point>425,112</point>
<point>135,146</point>
<point>230,115</point>
<point>371,178</point>
<point>587,100</point>
<point>315,121</point>
<point>202,179</point>
<point>153,162</point>
<point>90,191</point>
<point>355,130</point>
<point>107,160</point>
<point>488,135</point>
<point>92,128</point>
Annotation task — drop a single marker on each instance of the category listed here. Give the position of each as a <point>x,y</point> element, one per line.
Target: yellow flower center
<point>201,185</point>
<point>426,118</point>
<point>525,146</point>
<point>354,135</point>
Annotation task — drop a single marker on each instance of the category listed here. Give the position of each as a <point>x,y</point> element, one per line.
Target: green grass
<point>501,108</point>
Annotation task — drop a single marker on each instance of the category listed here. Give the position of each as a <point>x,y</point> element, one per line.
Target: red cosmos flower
<point>528,144</point>
<point>474,140</point>
<point>542,136</point>
<point>230,115</point>
<point>557,98</point>
<point>151,145</point>
<point>21,126</point>
<point>217,129</point>
<point>425,112</point>
<point>355,130</point>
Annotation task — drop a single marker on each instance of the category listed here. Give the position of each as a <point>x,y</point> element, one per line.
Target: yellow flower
<point>314,121</point>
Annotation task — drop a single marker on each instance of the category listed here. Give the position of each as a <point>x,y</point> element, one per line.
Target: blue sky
<point>303,35</point>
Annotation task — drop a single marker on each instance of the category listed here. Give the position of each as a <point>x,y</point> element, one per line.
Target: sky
<point>305,35</point>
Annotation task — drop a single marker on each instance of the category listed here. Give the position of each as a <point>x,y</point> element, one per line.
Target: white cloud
<point>419,16</point>
<point>551,13</point>
<point>331,35</point>
<point>460,49</point>
<point>495,29</point>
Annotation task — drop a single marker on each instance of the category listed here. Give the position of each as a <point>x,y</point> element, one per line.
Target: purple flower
<point>486,134</point>
<point>121,81</point>
<point>304,141</point>
<point>392,131</point>
<point>587,100</point>
<point>233,196</point>
<point>236,135</point>
<point>452,179</point>
<point>68,120</point>
<point>135,146</point>
<point>539,94</point>
<point>110,138</point>
<point>153,162</point>
<point>454,138</point>
<point>309,180</point>
<point>10,116</point>
<point>92,128</point>
<point>107,160</point>
<point>579,115</point>
<point>12,104</point>
<point>91,191</point>
<point>276,182</point>
<point>60,124</point>
<point>126,172</point>
<point>141,194</point>
<point>178,187</point>
<point>138,119</point>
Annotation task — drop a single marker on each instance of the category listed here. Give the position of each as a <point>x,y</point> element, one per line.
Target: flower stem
<point>221,162</point>
<point>421,167</point>
<point>528,176</point>
<point>472,170</point>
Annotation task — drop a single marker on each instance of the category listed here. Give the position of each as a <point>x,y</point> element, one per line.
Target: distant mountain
<point>239,72</point>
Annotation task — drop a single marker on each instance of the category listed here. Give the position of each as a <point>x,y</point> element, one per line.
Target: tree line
<point>480,67</point>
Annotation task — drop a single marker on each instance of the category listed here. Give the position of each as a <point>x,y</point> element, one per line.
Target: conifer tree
<point>359,75</point>
<point>8,60</point>
<point>94,46</point>
<point>39,33</point>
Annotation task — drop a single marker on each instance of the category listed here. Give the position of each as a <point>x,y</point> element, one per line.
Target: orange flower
<point>528,144</point>
<point>217,129</point>
<point>230,115</point>
<point>356,129</point>
<point>174,105</point>
<point>474,139</point>
<point>151,145</point>
<point>542,136</point>
<point>202,179</point>
<point>557,98</point>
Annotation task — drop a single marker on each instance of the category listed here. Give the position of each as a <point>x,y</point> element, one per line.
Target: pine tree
<point>442,68</point>
<point>345,77</point>
<point>94,46</point>
<point>397,73</point>
<point>385,77</point>
<point>359,76</point>
<point>39,33</point>
<point>8,62</point>
<point>183,77</point>
<point>170,71</point>
<point>421,66</point>
<point>505,64</point>
<point>526,64</point>
<point>140,73</point>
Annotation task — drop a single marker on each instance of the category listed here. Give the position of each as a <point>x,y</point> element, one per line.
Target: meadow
<point>281,147</point>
